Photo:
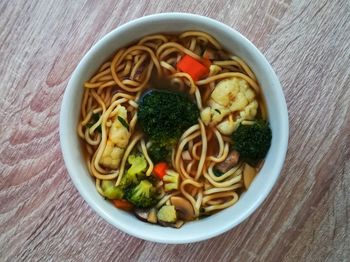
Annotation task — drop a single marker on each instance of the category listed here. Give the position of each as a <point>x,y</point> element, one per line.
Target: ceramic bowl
<point>232,41</point>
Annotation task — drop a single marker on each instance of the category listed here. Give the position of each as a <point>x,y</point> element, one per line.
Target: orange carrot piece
<point>160,169</point>
<point>196,69</point>
<point>122,204</point>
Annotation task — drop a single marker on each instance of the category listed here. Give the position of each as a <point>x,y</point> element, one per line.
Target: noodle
<point>193,85</point>
<point>221,206</point>
<point>235,179</point>
<point>175,48</point>
<point>149,161</point>
<point>233,171</point>
<point>126,154</point>
<point>202,34</point>
<point>204,151</point>
<point>251,82</point>
<point>181,146</point>
<point>221,189</point>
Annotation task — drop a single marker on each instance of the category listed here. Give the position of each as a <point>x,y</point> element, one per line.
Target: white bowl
<point>233,42</point>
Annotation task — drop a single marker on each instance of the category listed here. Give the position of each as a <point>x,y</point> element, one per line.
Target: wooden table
<point>305,218</point>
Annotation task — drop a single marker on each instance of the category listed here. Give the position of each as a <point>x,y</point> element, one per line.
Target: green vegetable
<point>110,191</point>
<point>164,116</point>
<point>159,153</point>
<point>123,122</point>
<point>167,214</point>
<point>143,195</point>
<point>94,118</point>
<point>132,177</point>
<point>138,164</point>
<point>252,141</point>
<point>171,180</point>
<point>135,172</point>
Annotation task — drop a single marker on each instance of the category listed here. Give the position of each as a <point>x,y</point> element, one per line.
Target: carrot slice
<point>160,169</point>
<point>196,69</point>
<point>122,204</point>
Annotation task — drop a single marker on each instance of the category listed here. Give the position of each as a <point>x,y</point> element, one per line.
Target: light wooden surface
<point>305,218</point>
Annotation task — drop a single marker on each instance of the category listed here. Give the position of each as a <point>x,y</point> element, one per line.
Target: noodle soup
<point>174,128</point>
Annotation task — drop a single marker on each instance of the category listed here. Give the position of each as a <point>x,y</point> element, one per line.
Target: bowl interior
<point>232,41</point>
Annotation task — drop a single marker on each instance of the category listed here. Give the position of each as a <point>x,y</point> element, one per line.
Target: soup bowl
<point>232,41</point>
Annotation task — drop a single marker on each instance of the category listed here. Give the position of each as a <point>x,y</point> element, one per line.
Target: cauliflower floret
<point>227,126</point>
<point>230,96</point>
<point>118,138</point>
<point>118,133</point>
<point>249,112</point>
<point>225,92</point>
<point>111,155</point>
<point>206,115</point>
<point>214,69</point>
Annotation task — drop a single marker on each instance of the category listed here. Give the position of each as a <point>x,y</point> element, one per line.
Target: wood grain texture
<point>305,218</point>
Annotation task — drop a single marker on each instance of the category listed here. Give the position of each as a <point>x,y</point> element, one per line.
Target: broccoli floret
<point>164,116</point>
<point>252,141</point>
<point>111,191</point>
<point>171,180</point>
<point>138,164</point>
<point>135,172</point>
<point>131,177</point>
<point>159,153</point>
<point>143,195</point>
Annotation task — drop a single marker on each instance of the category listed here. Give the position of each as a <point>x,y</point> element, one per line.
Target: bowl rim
<point>65,147</point>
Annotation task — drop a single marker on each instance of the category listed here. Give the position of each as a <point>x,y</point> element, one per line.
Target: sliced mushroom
<point>165,224</point>
<point>230,161</point>
<point>152,216</point>
<point>183,207</point>
<point>179,223</point>
<point>142,214</point>
<point>249,173</point>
